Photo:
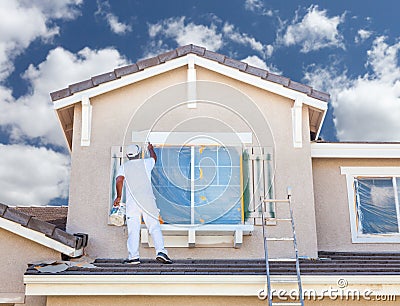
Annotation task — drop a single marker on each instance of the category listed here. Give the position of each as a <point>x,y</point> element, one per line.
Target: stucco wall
<point>16,252</point>
<point>332,208</point>
<point>90,173</point>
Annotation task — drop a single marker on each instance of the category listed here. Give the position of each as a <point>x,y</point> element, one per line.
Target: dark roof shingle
<point>181,51</point>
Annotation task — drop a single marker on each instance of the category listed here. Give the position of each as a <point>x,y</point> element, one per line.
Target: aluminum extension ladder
<point>297,279</point>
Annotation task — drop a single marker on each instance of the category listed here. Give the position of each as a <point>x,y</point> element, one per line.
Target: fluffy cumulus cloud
<point>244,39</point>
<point>15,35</point>
<point>313,32</point>
<point>32,115</point>
<point>186,33</point>
<point>116,26</point>
<point>32,176</point>
<point>362,35</point>
<point>213,36</point>
<point>254,60</point>
<point>366,108</point>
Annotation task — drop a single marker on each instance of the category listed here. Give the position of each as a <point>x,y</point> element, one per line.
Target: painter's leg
<point>150,217</point>
<point>133,222</point>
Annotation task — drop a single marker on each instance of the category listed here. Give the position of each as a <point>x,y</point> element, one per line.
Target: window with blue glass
<point>377,202</point>
<point>199,184</point>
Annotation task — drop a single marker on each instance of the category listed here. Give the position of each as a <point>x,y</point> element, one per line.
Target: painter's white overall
<point>140,201</point>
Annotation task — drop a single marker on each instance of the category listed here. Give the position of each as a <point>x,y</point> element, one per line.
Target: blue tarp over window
<point>214,196</point>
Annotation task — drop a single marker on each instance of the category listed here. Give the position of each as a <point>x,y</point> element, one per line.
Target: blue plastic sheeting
<point>216,188</point>
<point>376,205</point>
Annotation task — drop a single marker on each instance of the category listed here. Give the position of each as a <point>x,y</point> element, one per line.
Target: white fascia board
<point>199,285</point>
<point>38,237</point>
<point>202,62</point>
<point>260,83</point>
<point>121,82</point>
<point>355,150</point>
<point>370,171</point>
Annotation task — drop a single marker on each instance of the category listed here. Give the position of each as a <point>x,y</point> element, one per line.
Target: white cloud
<point>32,176</point>
<point>244,39</point>
<point>366,108</point>
<point>22,22</point>
<point>254,60</point>
<point>257,6</point>
<point>32,115</point>
<point>117,27</point>
<point>362,35</point>
<point>189,33</point>
<point>315,31</point>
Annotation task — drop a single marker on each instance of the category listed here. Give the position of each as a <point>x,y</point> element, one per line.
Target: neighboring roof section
<point>179,52</point>
<point>23,224</point>
<point>56,215</point>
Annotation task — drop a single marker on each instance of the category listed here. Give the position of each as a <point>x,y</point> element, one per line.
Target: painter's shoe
<point>163,258</point>
<point>134,261</point>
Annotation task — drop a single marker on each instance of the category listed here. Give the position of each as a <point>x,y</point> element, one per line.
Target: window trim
<point>353,172</point>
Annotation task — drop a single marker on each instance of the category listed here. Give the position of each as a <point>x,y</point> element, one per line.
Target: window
<point>374,203</point>
<point>199,184</point>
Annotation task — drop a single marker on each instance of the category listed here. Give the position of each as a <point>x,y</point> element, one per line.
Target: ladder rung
<point>277,219</point>
<point>281,259</point>
<point>280,239</point>
<point>275,201</point>
<point>286,303</point>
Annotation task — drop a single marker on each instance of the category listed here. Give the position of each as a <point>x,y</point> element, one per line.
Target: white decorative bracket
<point>297,123</point>
<point>86,121</point>
<point>191,87</point>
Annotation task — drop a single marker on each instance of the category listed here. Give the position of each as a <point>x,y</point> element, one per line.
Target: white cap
<point>133,150</point>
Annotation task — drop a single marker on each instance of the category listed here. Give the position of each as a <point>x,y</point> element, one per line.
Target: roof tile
<point>59,94</point>
<point>103,78</point>
<point>320,95</point>
<point>235,63</point>
<point>183,50</point>
<point>65,238</point>
<point>119,72</point>
<point>198,50</point>
<point>167,56</point>
<point>41,226</point>
<point>214,56</point>
<point>299,87</point>
<point>81,86</point>
<point>149,62</point>
<point>278,79</point>
<point>3,208</point>
<point>256,71</point>
<point>16,216</point>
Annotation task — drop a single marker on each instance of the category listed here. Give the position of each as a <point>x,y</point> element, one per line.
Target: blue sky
<point>347,48</point>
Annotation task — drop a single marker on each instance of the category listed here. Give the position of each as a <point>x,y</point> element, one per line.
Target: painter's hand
<point>150,147</point>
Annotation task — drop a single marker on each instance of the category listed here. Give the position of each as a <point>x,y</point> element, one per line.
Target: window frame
<point>369,172</point>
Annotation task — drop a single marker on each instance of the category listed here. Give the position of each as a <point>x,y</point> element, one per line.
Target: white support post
<point>191,87</point>
<point>297,123</point>
<point>238,239</point>
<point>191,238</point>
<point>86,121</point>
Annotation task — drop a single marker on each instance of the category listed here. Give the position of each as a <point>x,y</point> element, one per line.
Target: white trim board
<point>38,237</point>
<point>12,298</point>
<point>355,150</point>
<point>192,138</point>
<point>187,60</point>
<point>198,285</point>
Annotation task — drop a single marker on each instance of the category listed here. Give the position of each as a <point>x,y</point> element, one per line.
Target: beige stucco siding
<point>332,208</point>
<point>16,252</point>
<point>90,173</point>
